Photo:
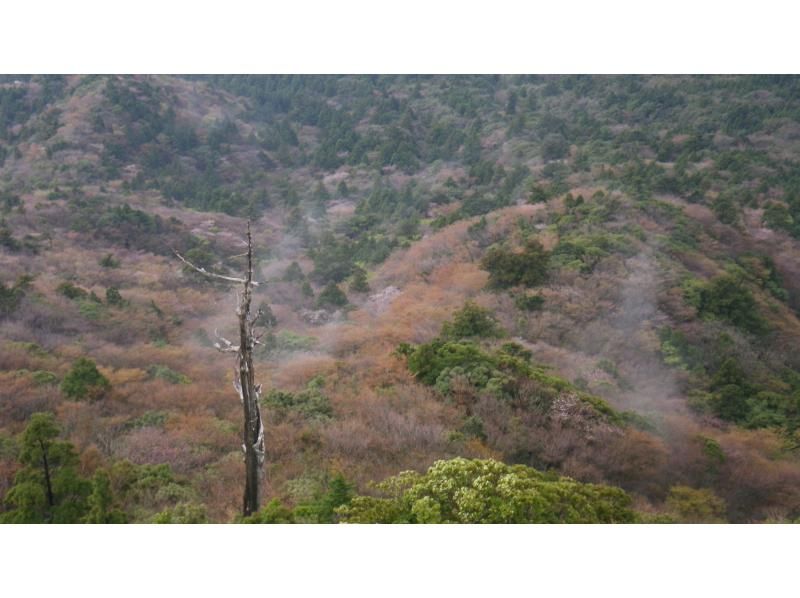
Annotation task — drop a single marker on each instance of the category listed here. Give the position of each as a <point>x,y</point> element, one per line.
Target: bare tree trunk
<point>50,500</point>
<point>244,381</point>
<point>253,434</point>
<point>48,484</point>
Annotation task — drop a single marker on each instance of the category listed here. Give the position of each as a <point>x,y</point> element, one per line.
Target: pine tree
<point>101,502</point>
<point>84,381</point>
<point>331,296</point>
<point>47,489</point>
<point>358,283</point>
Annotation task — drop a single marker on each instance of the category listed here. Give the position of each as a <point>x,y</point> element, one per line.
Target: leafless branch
<point>205,272</point>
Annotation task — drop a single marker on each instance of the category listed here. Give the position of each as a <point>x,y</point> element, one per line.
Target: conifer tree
<point>47,489</point>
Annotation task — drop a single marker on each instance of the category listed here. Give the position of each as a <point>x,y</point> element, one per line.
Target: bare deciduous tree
<point>244,381</point>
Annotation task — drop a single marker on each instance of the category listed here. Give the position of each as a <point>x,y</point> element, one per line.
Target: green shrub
<point>266,317</point>
<point>472,321</point>
<point>114,297</point>
<point>728,298</point>
<point>149,419</point>
<point>731,390</point>
<point>726,209</point>
<point>472,427</point>
<point>319,506</point>
<point>11,296</point>
<point>507,268</point>
<point>293,273</point>
<point>676,350</point>
<point>287,341</point>
<point>486,491</point>
<point>691,505</point>
<point>102,508</point>
<point>109,261</point>
<point>162,372</point>
<point>47,488</point>
<point>183,513</point>
<point>70,291</point>
<point>44,378</point>
<point>517,350</point>
<point>778,216</point>
<point>761,270</point>
<point>331,297</point>
<point>310,403</point>
<point>554,147</point>
<point>322,507</point>
<point>583,252</point>
<point>272,512</point>
<point>358,282</point>
<point>529,302</point>
<point>90,309</point>
<point>84,381</point>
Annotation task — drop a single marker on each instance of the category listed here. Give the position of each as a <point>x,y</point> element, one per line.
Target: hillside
<point>594,277</point>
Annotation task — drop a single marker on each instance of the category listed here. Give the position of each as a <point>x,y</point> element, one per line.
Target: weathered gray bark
<point>244,382</point>
<point>249,393</point>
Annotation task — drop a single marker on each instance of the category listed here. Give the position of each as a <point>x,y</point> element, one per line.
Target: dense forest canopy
<point>513,298</point>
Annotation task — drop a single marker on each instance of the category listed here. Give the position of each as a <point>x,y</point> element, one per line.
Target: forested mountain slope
<point>595,277</point>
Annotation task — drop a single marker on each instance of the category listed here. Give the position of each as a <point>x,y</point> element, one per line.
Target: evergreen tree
<point>358,283</point>
<point>472,320</point>
<point>331,296</point>
<point>101,502</point>
<point>340,492</point>
<point>114,297</point>
<point>11,296</point>
<point>508,268</point>
<point>266,316</point>
<point>47,489</point>
<point>109,261</point>
<point>84,381</point>
<point>293,273</point>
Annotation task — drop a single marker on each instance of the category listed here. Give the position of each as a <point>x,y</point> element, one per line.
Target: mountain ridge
<point>665,212</point>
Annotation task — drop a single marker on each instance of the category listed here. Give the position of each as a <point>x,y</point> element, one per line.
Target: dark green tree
<point>321,194</point>
<point>358,282</point>
<point>114,297</point>
<point>470,321</point>
<point>728,297</point>
<point>340,492</point>
<point>726,209</point>
<point>331,296</point>
<point>47,489</point>
<point>266,318</point>
<point>109,261</point>
<point>509,268</point>
<point>322,509</point>
<point>293,273</point>
<point>691,505</point>
<point>101,502</point>
<point>554,147</point>
<point>11,296</point>
<point>731,392</point>
<point>272,512</point>
<point>84,381</point>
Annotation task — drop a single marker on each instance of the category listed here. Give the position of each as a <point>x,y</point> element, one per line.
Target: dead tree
<point>244,380</point>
